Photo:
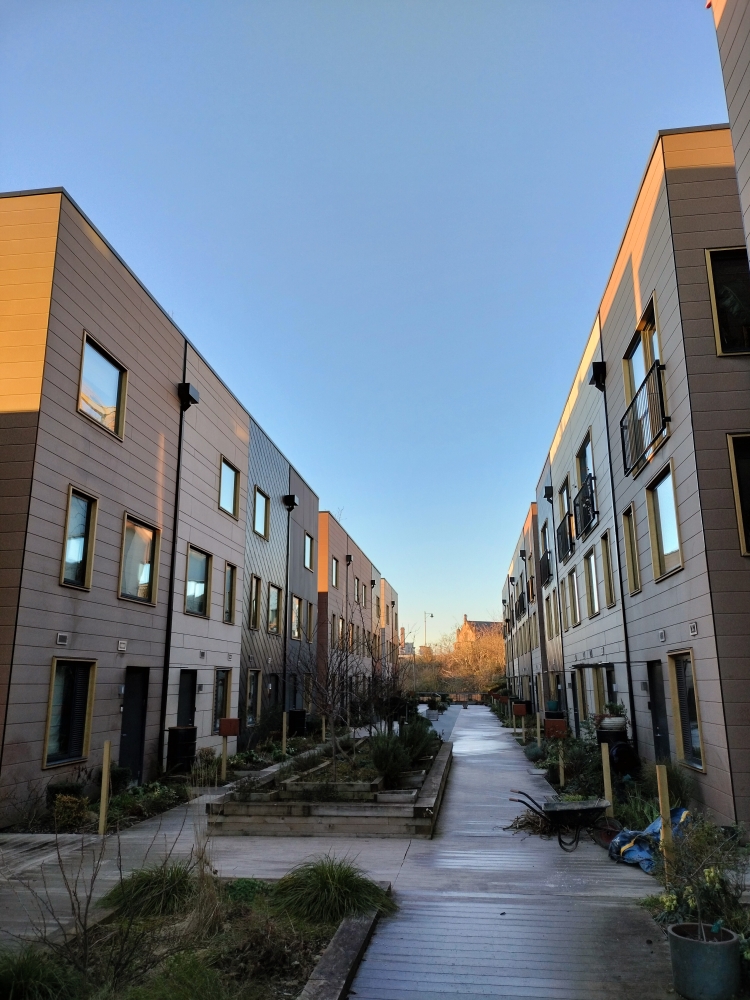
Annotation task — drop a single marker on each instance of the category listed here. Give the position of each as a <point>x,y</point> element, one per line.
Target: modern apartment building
<point>160,555</point>
<point>525,660</point>
<point>646,491</point>
<point>387,615</point>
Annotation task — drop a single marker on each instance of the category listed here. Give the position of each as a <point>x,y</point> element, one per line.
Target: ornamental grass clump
<point>155,891</point>
<point>389,756</point>
<point>184,977</point>
<point>328,889</point>
<point>31,974</point>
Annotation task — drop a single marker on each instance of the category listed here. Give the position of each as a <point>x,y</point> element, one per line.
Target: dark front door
<point>658,706</point>
<point>186,698</point>
<point>133,732</point>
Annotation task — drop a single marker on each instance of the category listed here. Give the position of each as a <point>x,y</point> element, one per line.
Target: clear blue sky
<point>386,224</point>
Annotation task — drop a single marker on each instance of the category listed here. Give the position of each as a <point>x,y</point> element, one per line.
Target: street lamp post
<point>427,615</point>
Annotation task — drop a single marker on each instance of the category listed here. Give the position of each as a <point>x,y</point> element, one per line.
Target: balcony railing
<point>565,543</point>
<point>545,567</point>
<point>520,606</point>
<point>645,422</point>
<point>584,507</point>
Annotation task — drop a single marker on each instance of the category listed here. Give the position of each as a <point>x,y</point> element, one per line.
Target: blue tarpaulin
<point>640,847</point>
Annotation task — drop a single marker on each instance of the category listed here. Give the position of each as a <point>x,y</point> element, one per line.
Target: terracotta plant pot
<point>704,970</point>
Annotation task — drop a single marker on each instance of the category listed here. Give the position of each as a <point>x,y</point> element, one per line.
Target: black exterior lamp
<point>598,374</point>
<point>512,581</point>
<point>349,559</point>
<point>372,584</point>
<point>188,395</point>
<point>548,494</point>
<point>522,554</point>
<point>290,501</point>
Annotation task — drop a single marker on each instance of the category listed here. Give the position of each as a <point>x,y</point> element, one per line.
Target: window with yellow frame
<point>69,711</point>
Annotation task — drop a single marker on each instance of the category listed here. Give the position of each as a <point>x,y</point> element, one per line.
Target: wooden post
<point>538,729</point>
<point>607,780</point>
<point>323,732</point>
<point>224,741</point>
<point>283,733</point>
<point>561,764</point>
<point>523,728</point>
<point>514,723</point>
<point>104,797</point>
<point>666,820</point>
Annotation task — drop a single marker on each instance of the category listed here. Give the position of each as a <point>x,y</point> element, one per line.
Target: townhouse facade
<point>644,492</point>
<point>159,554</point>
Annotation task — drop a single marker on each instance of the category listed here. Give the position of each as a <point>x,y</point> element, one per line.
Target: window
<point>555,611</point>
<point>363,596</point>
<point>609,580</point>
<point>642,353</point>
<point>585,461</point>
<point>333,631</point>
<point>197,591</point>
<point>102,392</point>
<point>296,617</point>
<point>309,551</point>
<point>548,626</point>
<point>69,711</point>
<point>565,613</point>
<point>592,584</point>
<point>631,550</point>
<point>739,459</point>
<point>729,285</point>
<point>563,498</point>
<point>334,572</point>
<point>80,531</point>
<point>274,609</point>
<point>310,629</point>
<point>140,547</point>
<point>688,732</point>
<point>583,701</point>
<point>230,588</point>
<point>377,607</point>
<point>260,514</point>
<point>229,489</point>
<point>665,539</point>
<point>222,687</point>
<point>255,602</point>
<point>356,590</point>
<point>253,686</point>
<point>575,610</point>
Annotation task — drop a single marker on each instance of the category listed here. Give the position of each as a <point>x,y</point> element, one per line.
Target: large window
<point>642,353</point>
<point>222,690</point>
<point>230,590</point>
<point>739,457</point>
<point>356,590</point>
<point>274,609</point>
<point>631,550</point>
<point>565,605</point>
<point>592,583</point>
<point>310,626</point>
<point>688,732</point>
<point>229,489</point>
<point>556,611</point>
<point>103,385</point>
<point>80,531</point>
<point>609,580</point>
<point>261,513</point>
<point>296,617</point>
<point>665,537</point>
<point>309,551</point>
<point>69,711</point>
<point>729,284</point>
<point>585,460</point>
<point>197,591</point>
<point>334,571</point>
<point>575,609</point>
<point>140,549</point>
<point>255,602</point>
<point>363,595</point>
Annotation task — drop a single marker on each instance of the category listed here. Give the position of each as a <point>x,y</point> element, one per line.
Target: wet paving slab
<point>485,911</point>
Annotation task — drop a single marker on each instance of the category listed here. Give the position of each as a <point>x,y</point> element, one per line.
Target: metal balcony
<point>644,424</point>
<point>565,543</point>
<point>545,567</point>
<point>584,507</point>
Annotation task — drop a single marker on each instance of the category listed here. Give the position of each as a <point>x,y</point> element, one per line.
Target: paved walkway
<point>482,912</point>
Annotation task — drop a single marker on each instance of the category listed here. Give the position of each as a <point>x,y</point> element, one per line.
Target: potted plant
<point>612,727</point>
<point>704,878</point>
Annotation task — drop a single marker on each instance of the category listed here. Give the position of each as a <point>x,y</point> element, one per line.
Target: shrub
<point>30,974</point>
<point>185,977</point>
<point>680,782</point>
<point>244,890</point>
<point>72,788</point>
<point>144,801</point>
<point>154,891</point>
<point>389,756</point>
<point>328,889</point>
<point>120,778</point>
<point>419,738</point>
<point>69,812</point>
<point>636,811</point>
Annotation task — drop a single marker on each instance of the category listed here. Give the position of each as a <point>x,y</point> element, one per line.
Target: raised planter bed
<point>395,813</point>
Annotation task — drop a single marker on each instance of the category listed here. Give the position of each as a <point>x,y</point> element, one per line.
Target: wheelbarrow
<point>566,819</point>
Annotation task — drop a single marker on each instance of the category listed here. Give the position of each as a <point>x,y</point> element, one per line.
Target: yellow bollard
<point>666,821</point>
<point>224,741</point>
<point>523,728</point>
<point>104,798</point>
<point>561,764</point>
<point>607,779</point>
<point>283,733</point>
